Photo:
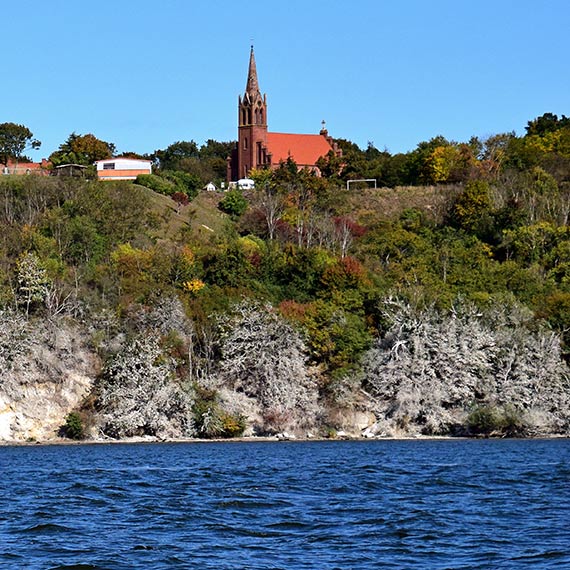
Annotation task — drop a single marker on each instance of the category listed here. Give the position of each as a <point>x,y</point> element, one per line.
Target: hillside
<point>299,308</point>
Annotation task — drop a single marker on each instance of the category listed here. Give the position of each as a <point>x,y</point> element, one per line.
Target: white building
<point>246,184</point>
<point>122,168</point>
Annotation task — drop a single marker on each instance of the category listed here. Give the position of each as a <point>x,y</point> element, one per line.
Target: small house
<point>24,167</point>
<point>122,168</point>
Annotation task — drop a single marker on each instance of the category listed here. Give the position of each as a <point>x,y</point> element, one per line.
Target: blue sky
<point>145,74</point>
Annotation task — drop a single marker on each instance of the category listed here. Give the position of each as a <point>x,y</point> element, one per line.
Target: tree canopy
<point>14,141</point>
<point>82,149</point>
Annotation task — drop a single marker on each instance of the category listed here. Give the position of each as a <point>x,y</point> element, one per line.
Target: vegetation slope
<point>438,306</point>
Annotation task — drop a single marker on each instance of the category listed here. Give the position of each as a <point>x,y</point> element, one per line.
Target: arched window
<point>243,116</point>
<point>261,122</point>
<point>249,116</point>
<point>245,143</point>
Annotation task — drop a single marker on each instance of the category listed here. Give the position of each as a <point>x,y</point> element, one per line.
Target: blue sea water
<point>287,505</point>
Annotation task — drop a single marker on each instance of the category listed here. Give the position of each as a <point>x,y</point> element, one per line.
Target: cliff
<point>431,373</point>
<point>46,371</point>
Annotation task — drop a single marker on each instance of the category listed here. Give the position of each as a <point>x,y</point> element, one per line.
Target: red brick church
<point>258,148</point>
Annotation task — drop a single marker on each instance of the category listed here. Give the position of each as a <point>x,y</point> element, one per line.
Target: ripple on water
<point>326,505</point>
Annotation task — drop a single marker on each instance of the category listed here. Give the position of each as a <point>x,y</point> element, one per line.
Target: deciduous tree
<point>264,358</point>
<point>82,149</point>
<point>430,367</point>
<point>14,141</point>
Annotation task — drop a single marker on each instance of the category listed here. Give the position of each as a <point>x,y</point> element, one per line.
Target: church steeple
<point>252,126</point>
<point>253,105</point>
<point>252,86</point>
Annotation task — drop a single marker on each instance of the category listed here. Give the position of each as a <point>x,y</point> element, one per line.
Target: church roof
<point>305,150</point>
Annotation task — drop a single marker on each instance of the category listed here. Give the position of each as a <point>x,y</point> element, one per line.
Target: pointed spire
<point>252,87</point>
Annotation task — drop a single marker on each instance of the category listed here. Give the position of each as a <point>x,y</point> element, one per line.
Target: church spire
<point>252,126</point>
<point>252,87</point>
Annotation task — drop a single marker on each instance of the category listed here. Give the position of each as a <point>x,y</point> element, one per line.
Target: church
<point>258,148</point>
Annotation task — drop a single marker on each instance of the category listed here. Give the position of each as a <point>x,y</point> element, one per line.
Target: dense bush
<point>73,427</point>
<point>233,203</point>
<point>210,418</point>
<point>185,182</point>
<point>138,395</point>
<point>157,183</point>
<point>498,421</point>
<point>264,358</point>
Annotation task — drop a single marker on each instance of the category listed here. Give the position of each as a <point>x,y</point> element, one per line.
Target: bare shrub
<point>430,368</point>
<point>263,357</point>
<point>137,394</point>
<point>15,339</point>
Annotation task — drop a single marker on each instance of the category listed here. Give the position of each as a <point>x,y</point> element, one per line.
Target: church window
<point>249,116</point>
<point>245,143</point>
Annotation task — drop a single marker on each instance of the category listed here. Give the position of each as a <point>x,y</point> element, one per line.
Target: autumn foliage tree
<point>82,149</point>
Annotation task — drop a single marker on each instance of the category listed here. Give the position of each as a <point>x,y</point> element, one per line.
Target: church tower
<point>252,125</point>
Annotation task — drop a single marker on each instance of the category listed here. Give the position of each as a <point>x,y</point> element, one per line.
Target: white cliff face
<point>46,370</point>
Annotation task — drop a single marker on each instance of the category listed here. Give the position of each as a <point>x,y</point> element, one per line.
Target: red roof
<point>305,150</point>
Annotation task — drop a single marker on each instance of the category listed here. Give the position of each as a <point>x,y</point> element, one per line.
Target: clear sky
<point>144,74</point>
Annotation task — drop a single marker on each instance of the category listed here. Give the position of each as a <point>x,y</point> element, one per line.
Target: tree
<point>181,199</point>
<point>16,338</point>
<point>170,157</point>
<point>82,149</point>
<point>216,149</point>
<point>473,207</point>
<point>264,358</point>
<point>33,282</point>
<point>345,231</point>
<point>268,199</point>
<point>547,123</point>
<point>234,203</point>
<point>14,141</point>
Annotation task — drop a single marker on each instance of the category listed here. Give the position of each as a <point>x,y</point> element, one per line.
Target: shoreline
<point>260,439</point>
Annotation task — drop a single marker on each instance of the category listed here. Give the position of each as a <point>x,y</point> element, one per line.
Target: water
<point>320,505</point>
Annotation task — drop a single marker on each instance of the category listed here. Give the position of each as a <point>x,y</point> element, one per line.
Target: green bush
<point>157,183</point>
<point>488,420</point>
<point>233,425</point>
<point>73,427</point>
<point>483,420</point>
<point>211,420</point>
<point>233,204</point>
<point>185,182</point>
